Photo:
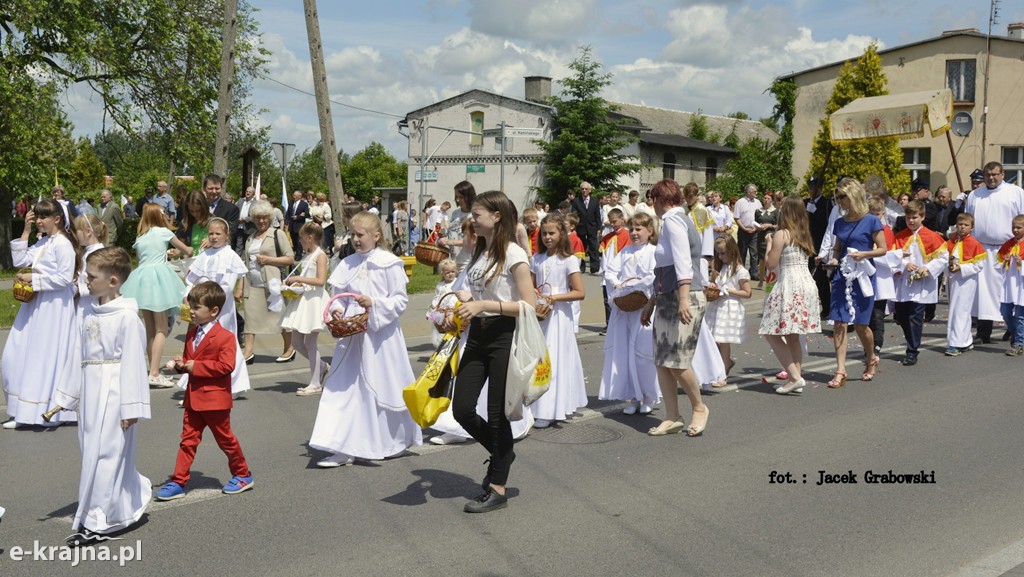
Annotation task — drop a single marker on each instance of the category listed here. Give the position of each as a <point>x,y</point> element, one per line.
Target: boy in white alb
<point>966,259</point>
<point>1011,305</point>
<point>112,395</point>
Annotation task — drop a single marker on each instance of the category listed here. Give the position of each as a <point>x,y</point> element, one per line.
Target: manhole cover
<point>572,434</point>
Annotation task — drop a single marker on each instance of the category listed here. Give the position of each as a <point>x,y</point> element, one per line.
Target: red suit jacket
<point>209,385</point>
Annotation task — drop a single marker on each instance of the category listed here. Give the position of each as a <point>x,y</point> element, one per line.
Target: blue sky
<point>719,57</point>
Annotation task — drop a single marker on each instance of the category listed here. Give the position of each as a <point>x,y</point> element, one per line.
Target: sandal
<point>720,384</point>
<point>838,380</point>
<point>869,369</point>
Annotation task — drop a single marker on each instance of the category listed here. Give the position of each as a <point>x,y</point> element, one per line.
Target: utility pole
<point>227,77</point>
<point>323,109</point>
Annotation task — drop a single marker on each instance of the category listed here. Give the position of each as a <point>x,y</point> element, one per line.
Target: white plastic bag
<point>529,349</point>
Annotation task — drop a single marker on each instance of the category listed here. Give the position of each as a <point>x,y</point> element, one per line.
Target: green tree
<point>858,159</point>
<point>87,172</point>
<point>370,168</point>
<point>757,161</point>
<point>585,142</point>
<point>698,127</point>
<point>36,139</point>
<point>782,116</point>
<point>154,64</point>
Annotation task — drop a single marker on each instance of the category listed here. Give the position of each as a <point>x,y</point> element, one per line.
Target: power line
<point>333,101</point>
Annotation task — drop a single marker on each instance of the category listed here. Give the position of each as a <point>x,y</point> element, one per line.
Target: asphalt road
<point>593,497</point>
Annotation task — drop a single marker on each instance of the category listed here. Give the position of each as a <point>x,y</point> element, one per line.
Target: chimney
<point>1015,31</point>
<point>538,89</point>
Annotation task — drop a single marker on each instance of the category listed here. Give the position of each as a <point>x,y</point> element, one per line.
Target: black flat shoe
<point>84,538</point>
<point>909,361</point>
<point>487,502</point>
<point>250,359</point>
<point>287,359</point>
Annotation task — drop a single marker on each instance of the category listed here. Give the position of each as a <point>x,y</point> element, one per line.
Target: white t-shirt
<point>433,217</point>
<point>500,288</point>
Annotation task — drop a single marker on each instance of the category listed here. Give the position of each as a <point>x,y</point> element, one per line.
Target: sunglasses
<point>841,197</point>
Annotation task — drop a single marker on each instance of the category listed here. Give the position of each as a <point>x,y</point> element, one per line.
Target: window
<point>476,124</point>
<point>710,170</point>
<point>668,166</point>
<point>960,79</point>
<point>1013,163</point>
<point>918,161</point>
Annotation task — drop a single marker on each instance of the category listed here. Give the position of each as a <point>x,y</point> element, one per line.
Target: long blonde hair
<point>858,197</point>
<point>793,219</point>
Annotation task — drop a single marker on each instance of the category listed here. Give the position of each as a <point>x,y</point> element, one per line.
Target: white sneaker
<point>309,391</point>
<point>541,424</point>
<point>12,424</point>
<point>646,409</point>
<point>335,460</point>
<point>160,382</point>
<point>631,408</point>
<point>448,439</point>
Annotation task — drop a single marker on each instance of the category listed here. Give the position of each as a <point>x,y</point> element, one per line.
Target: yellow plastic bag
<point>431,393</point>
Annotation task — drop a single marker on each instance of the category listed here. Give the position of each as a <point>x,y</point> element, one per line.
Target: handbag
<point>529,364</point>
<point>431,393</point>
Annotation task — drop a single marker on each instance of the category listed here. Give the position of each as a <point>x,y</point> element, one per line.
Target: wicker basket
<point>543,306</point>
<point>429,254</point>
<point>711,293</point>
<point>347,326</point>
<point>23,291</point>
<point>632,301</point>
<point>448,313</point>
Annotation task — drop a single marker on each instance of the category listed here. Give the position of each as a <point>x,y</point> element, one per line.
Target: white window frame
<point>917,168</point>
<point>1011,169</point>
<point>957,69</point>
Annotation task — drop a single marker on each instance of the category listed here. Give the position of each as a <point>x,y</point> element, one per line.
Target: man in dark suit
<point>298,212</point>
<point>212,184</point>
<point>818,209</point>
<point>589,210</point>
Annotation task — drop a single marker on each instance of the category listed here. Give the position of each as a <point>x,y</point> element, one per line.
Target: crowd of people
<point>674,278</point>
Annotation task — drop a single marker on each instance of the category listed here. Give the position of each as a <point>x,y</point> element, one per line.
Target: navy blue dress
<point>857,235</point>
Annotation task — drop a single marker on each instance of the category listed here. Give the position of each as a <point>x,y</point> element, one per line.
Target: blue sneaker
<point>238,484</point>
<point>953,352</point>
<point>170,492</point>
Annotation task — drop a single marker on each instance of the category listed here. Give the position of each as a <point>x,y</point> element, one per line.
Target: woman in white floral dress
<point>791,308</point>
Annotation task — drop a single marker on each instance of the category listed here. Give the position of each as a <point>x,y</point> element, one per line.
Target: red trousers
<point>219,423</point>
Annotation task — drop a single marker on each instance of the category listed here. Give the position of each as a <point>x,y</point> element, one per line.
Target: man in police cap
<point>977,179</point>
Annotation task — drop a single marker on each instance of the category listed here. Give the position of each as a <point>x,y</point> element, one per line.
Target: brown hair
<point>466,190</point>
<point>313,229</point>
<point>793,218</point>
<point>198,198</point>
<point>49,207</point>
<point>643,219</point>
<point>504,231</point>
<point>732,250</point>
<point>876,204</point>
<point>207,293</point>
<point>152,217</point>
<point>668,191</point>
<point>111,260</point>
<point>965,217</point>
<point>914,207</point>
<point>563,247</point>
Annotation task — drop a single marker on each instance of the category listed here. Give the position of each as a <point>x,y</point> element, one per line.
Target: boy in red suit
<point>209,359</point>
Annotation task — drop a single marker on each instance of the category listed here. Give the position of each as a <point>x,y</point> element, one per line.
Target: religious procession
<point>88,341</point>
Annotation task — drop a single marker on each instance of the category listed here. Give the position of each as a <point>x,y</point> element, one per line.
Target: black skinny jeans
<point>485,359</point>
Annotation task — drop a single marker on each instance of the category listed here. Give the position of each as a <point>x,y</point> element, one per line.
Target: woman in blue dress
<point>858,239</point>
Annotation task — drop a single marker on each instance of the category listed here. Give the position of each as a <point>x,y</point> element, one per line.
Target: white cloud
<point>545,21</point>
